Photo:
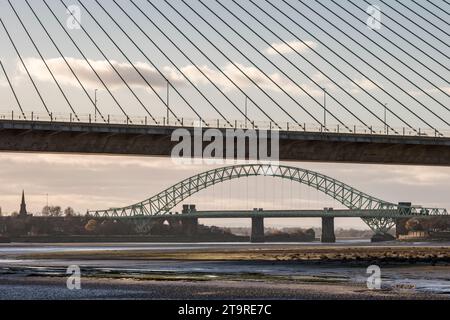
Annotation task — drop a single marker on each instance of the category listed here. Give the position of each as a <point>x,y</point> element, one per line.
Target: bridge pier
<point>189,225</point>
<point>257,234</point>
<point>400,223</point>
<point>328,235</point>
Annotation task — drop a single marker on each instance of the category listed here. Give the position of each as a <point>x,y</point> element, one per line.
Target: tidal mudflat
<point>200,271</point>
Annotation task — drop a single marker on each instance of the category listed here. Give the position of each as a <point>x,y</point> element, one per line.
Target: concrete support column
<point>189,225</point>
<point>185,209</point>
<point>328,230</point>
<point>257,229</point>
<point>400,223</point>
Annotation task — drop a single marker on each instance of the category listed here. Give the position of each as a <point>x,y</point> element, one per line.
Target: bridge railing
<point>220,123</point>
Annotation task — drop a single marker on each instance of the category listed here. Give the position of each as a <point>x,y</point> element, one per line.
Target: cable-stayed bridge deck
<point>155,140</point>
<point>334,65</point>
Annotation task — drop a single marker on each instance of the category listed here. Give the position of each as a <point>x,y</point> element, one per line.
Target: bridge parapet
<point>10,120</point>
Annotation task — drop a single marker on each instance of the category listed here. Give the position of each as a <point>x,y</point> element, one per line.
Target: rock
<point>380,237</point>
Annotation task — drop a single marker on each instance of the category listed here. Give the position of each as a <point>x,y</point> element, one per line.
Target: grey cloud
<point>81,68</point>
<point>106,72</point>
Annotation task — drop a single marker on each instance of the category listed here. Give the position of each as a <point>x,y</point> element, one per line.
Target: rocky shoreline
<point>306,254</point>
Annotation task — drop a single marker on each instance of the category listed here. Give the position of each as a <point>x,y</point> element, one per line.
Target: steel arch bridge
<point>161,203</point>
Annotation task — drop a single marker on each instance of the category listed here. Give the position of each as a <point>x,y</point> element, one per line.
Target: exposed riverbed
<point>279,268</point>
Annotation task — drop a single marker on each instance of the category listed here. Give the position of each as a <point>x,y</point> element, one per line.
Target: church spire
<point>23,206</point>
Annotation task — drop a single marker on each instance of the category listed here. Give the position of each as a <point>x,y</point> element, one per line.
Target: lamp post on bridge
<point>385,119</point>
<point>246,106</point>
<point>95,105</point>
<point>325,108</point>
<point>168,95</point>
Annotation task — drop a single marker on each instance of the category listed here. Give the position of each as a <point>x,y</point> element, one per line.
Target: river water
<point>421,278</point>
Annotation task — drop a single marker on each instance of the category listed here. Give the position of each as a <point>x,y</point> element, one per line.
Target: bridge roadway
<point>189,218</point>
<point>144,140</point>
<point>335,213</point>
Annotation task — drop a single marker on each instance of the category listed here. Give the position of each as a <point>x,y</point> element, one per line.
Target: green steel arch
<point>163,202</point>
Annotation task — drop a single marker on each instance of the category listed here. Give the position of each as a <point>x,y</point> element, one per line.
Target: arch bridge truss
<point>161,203</point>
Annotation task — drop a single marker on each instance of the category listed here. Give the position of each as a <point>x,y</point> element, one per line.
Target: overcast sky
<point>417,81</point>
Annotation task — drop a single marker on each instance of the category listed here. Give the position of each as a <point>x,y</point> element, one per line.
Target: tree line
<point>54,211</point>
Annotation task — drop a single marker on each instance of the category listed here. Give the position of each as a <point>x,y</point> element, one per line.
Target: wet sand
<point>45,288</point>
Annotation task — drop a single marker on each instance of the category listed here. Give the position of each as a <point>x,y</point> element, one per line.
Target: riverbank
<point>381,255</point>
<point>123,239</point>
<point>228,238</point>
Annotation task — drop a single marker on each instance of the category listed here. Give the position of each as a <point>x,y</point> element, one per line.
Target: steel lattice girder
<point>348,196</point>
